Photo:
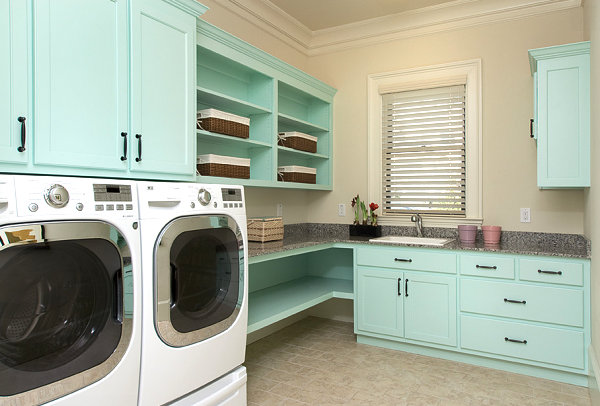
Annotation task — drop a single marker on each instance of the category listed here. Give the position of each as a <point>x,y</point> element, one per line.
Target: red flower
<point>373,206</point>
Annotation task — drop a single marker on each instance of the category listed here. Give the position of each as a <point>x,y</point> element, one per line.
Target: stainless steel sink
<point>393,239</point>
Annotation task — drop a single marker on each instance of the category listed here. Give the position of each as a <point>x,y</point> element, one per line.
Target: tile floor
<point>318,362</point>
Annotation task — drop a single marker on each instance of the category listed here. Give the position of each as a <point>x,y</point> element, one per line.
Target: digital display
<point>231,195</point>
<point>112,193</point>
<point>112,189</point>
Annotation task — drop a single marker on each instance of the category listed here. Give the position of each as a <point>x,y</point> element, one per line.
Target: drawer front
<point>544,344</point>
<point>564,273</point>
<point>543,304</point>
<point>424,260</point>
<point>487,265</point>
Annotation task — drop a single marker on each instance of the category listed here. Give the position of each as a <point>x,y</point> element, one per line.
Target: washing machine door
<point>62,321</point>
<point>199,278</point>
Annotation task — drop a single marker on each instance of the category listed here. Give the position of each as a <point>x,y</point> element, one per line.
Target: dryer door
<point>199,278</point>
<point>61,307</point>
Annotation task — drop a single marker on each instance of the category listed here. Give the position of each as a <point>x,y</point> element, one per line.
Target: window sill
<point>428,221</point>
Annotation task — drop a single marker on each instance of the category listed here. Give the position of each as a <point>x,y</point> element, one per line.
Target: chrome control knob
<point>204,197</point>
<point>57,196</point>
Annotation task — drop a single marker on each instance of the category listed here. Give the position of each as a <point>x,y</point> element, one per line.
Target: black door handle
<point>405,287</point>
<point>402,260</point>
<point>514,301</point>
<point>118,298</point>
<point>399,286</point>
<point>21,120</point>
<point>515,341</point>
<point>550,272</point>
<point>531,127</point>
<point>124,156</point>
<point>139,138</point>
<point>486,267</point>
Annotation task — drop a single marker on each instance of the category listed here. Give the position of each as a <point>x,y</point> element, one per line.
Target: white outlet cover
<point>279,209</point>
<point>525,215</point>
<point>342,210</point>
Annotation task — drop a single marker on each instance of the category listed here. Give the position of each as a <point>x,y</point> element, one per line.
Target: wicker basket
<point>217,121</point>
<point>299,174</point>
<point>299,141</point>
<point>265,229</point>
<point>223,166</point>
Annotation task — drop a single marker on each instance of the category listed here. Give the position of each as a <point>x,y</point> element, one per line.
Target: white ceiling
<point>320,14</point>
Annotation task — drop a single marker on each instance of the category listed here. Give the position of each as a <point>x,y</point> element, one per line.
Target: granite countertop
<point>305,235</point>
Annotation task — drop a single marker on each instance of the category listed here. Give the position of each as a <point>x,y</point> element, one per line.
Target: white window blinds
<point>423,146</point>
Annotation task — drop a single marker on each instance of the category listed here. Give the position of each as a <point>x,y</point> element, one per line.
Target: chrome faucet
<point>418,220</point>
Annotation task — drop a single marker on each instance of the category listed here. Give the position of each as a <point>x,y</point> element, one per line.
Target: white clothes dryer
<point>195,307</point>
<point>70,323</point>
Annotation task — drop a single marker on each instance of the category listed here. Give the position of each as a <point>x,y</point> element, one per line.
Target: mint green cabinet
<point>163,90</point>
<point>14,85</point>
<point>81,83</point>
<point>380,302</point>
<point>562,114</point>
<point>411,305</point>
<point>430,308</point>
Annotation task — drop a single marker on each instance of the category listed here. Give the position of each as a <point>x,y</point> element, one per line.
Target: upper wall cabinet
<point>80,81</point>
<point>14,104</point>
<point>561,123</point>
<point>236,78</point>
<point>113,85</point>
<point>163,98</point>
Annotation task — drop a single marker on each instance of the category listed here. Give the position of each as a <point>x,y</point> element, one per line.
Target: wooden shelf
<point>299,125</point>
<point>228,139</point>
<point>228,103</point>
<point>269,305</point>
<point>297,153</point>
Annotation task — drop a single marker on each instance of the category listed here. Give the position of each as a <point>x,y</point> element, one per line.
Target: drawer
<point>487,265</point>
<point>564,273</point>
<point>542,303</point>
<point>418,260</point>
<point>544,344</point>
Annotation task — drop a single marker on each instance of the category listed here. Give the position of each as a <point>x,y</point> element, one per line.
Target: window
<point>423,151</point>
<point>425,144</point>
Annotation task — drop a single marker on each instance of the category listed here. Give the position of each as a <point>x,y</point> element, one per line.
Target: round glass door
<point>199,275</point>
<point>61,302</point>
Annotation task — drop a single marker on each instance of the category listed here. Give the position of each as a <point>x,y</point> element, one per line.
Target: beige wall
<point>592,196</point>
<point>509,160</point>
<point>509,155</point>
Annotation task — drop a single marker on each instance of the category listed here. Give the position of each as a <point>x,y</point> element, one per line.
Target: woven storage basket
<point>223,166</point>
<point>265,229</point>
<point>299,141</point>
<point>217,121</point>
<point>294,173</point>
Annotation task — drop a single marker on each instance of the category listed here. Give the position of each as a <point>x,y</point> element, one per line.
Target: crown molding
<point>270,18</point>
<point>189,6</point>
<point>425,21</point>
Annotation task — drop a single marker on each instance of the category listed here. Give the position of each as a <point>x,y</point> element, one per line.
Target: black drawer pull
<point>23,134</point>
<point>399,286</point>
<point>139,138</point>
<point>405,287</point>
<point>124,156</point>
<point>531,127</point>
<point>486,267</point>
<point>514,301</point>
<point>515,341</point>
<point>402,260</point>
<point>550,272</point>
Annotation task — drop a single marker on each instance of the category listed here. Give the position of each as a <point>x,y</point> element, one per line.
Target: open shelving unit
<point>237,78</point>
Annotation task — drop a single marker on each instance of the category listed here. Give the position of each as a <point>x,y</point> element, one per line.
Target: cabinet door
<point>14,103</point>
<point>430,308</point>
<point>164,86</point>
<point>379,301</point>
<point>81,83</point>
<point>563,105</point>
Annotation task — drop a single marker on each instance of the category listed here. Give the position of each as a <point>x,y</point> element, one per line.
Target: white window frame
<point>464,72</point>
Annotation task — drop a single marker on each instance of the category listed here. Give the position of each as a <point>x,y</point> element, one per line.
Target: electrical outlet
<point>279,209</point>
<point>342,210</point>
<point>525,215</point>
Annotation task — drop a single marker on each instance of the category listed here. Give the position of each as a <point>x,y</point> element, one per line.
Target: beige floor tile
<point>318,362</point>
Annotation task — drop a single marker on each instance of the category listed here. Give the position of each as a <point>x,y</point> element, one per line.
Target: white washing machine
<point>70,322</point>
<point>195,307</point>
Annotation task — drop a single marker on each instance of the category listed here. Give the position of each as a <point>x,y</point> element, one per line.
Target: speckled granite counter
<point>298,236</point>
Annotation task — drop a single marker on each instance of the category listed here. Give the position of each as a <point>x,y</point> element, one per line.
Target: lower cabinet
<point>408,305</point>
